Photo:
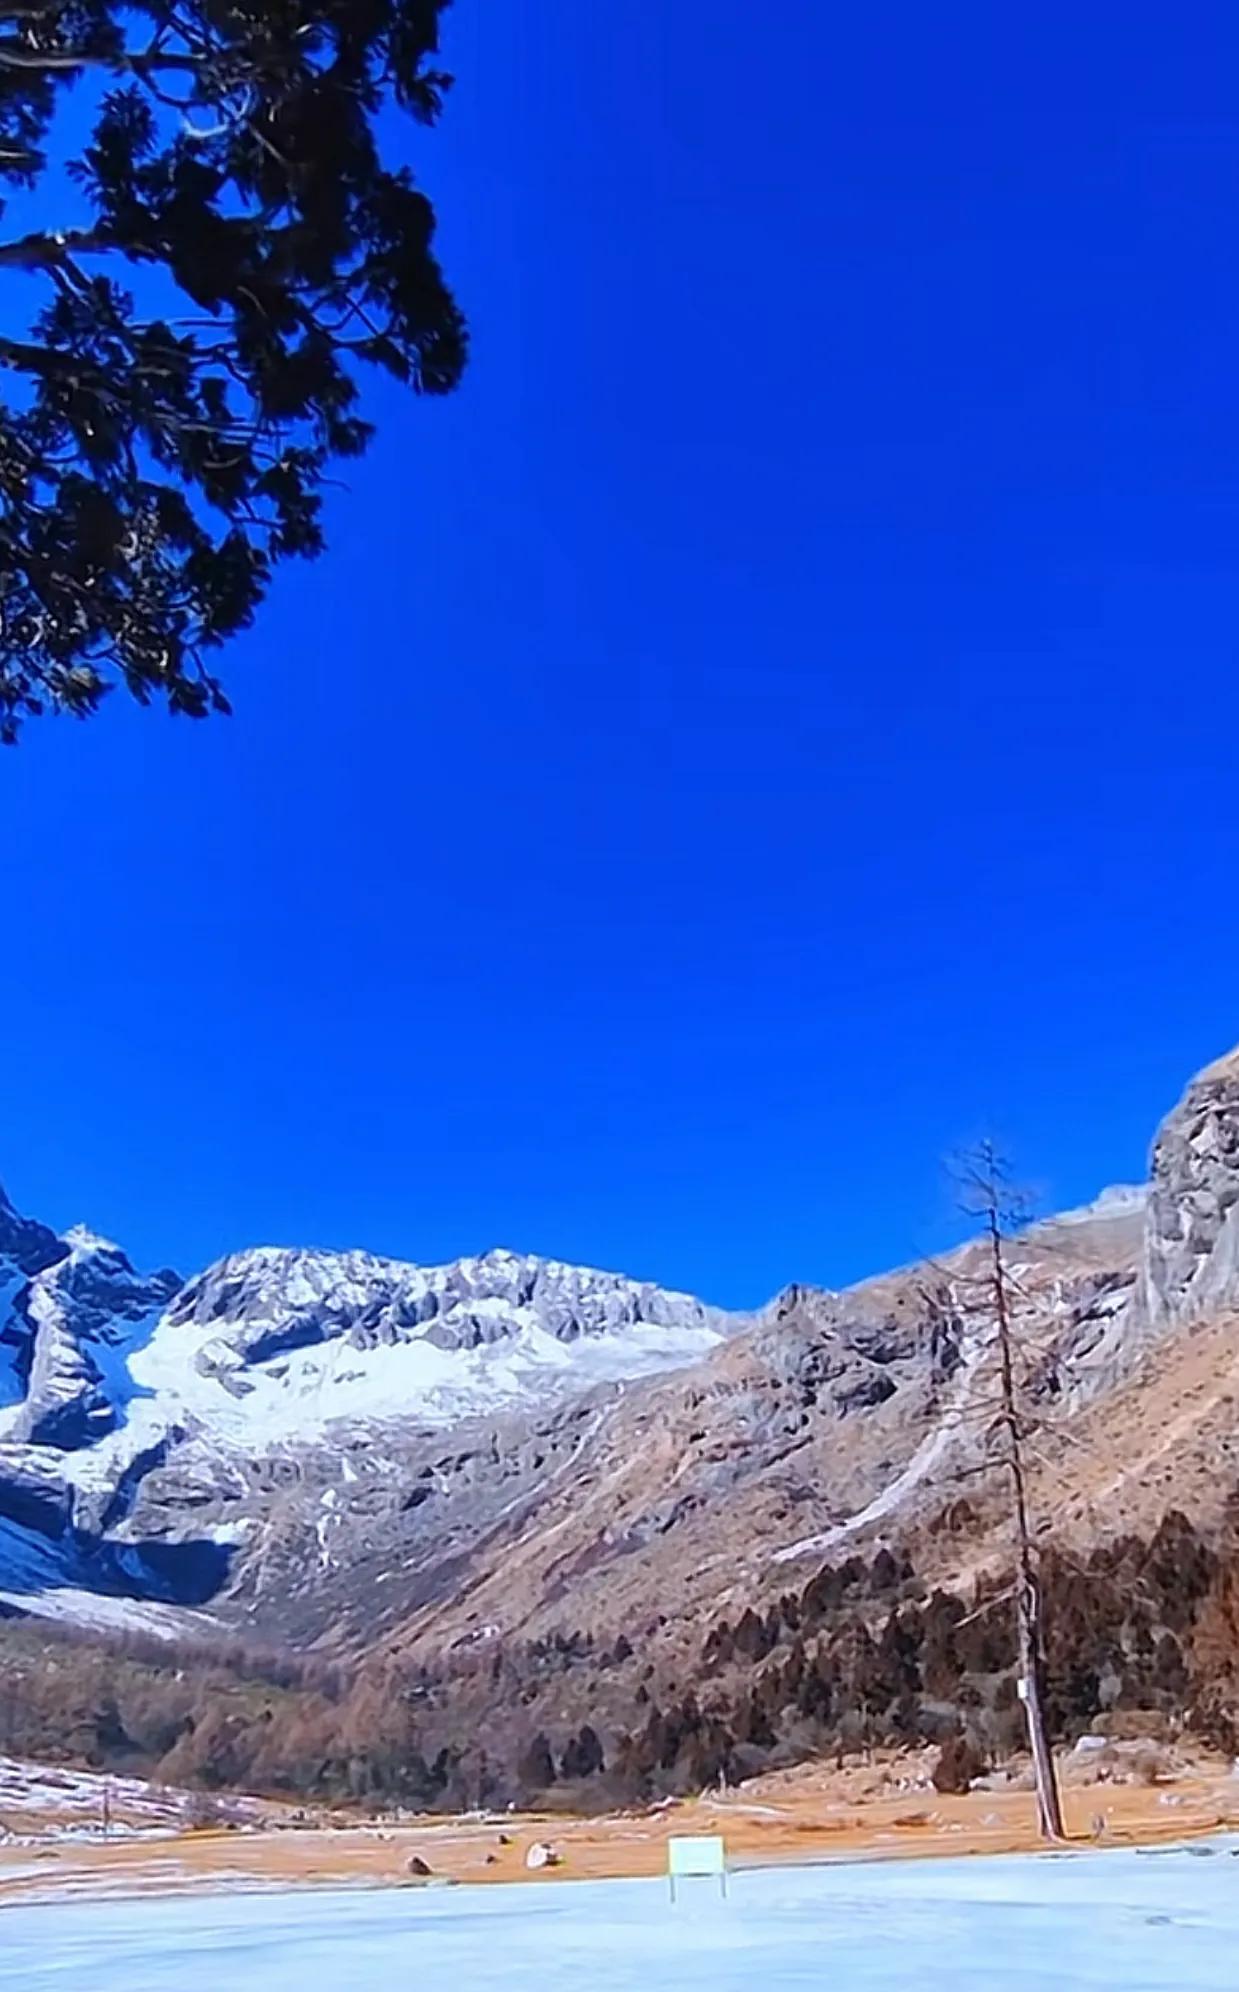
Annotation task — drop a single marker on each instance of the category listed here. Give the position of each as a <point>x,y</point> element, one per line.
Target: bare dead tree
<point>988,1195</point>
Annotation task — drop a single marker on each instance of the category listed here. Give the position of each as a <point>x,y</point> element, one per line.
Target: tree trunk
<point>1028,1596</point>
<point>1049,1808</point>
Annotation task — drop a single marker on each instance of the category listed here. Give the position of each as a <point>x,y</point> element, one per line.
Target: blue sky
<point>776,722</point>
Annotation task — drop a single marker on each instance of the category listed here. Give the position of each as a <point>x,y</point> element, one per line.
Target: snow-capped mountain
<point>115,1387</point>
<point>282,1344</point>
<point>277,1343</point>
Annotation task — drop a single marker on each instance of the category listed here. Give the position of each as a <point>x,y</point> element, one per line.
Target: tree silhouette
<point>158,458</point>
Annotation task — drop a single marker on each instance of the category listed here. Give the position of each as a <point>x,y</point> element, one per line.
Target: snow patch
<point>928,1455</point>
<point>192,1377</point>
<point>47,1580</point>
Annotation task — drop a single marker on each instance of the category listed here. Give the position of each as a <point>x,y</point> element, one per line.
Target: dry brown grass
<point>814,1813</point>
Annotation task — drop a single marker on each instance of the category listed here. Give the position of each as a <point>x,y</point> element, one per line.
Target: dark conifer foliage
<point>235,251</point>
<point>1143,1633</point>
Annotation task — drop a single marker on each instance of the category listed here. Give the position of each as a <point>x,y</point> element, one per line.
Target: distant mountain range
<point>335,1448</point>
<point>114,1385</point>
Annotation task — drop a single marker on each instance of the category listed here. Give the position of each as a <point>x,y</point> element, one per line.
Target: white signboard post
<point>696,1854</point>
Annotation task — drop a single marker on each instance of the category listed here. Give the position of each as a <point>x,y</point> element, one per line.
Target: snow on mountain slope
<point>299,1396</point>
<point>276,1345</point>
<point>112,1383</point>
<point>56,1580</point>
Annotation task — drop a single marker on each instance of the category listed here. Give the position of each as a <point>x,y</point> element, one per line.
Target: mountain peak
<point>80,1238</point>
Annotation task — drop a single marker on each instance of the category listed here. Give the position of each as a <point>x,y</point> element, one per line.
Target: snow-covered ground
<point>51,1802</point>
<point>1124,1921</point>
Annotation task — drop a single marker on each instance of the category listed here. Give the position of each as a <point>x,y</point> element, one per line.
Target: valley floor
<point>809,1815</point>
<point>1108,1922</point>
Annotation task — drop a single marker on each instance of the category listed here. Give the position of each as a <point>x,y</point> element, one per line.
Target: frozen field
<point>1135,1923</point>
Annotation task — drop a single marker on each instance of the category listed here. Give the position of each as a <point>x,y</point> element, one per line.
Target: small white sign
<point>1021,1688</point>
<point>696,1854</point>
<point>702,1853</point>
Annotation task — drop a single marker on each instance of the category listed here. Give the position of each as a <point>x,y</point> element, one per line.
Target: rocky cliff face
<point>1191,1257</point>
<point>81,1316</point>
<point>25,1245</point>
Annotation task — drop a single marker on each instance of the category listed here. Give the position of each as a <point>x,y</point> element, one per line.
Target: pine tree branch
<point>45,249</point>
<point>18,354</point>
